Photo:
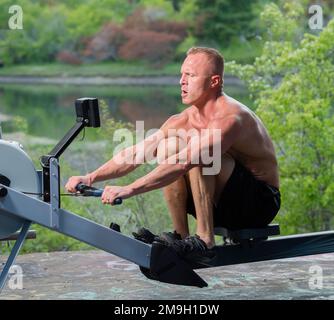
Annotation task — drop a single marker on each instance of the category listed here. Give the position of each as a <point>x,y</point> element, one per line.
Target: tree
<point>292,86</point>
<point>219,21</point>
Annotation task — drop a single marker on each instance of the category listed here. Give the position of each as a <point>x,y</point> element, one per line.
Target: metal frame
<point>77,227</point>
<point>274,248</point>
<point>13,254</point>
<point>156,261</point>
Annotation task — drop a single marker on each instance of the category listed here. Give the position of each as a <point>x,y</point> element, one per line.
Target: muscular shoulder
<point>225,111</point>
<point>231,110</point>
<point>176,120</point>
<point>233,118</point>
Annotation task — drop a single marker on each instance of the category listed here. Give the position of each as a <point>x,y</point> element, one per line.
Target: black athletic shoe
<point>193,249</point>
<point>147,236</point>
<point>170,237</point>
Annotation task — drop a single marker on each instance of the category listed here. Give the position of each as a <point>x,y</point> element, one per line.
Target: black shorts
<point>245,202</point>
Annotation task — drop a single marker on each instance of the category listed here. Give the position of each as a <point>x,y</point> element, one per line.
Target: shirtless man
<point>245,191</point>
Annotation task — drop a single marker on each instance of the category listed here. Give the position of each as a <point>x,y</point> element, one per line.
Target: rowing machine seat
<point>241,235</point>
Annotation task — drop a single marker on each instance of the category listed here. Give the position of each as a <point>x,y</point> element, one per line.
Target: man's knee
<point>226,166</point>
<point>214,183</point>
<point>169,147</point>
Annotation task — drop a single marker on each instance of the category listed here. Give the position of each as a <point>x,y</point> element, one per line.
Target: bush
<point>68,57</point>
<point>154,47</point>
<point>139,38</point>
<point>104,45</point>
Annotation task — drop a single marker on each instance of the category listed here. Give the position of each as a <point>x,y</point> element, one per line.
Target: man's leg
<point>176,197</point>
<point>176,193</point>
<point>206,191</point>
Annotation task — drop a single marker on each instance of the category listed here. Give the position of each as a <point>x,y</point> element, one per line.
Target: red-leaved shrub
<point>104,45</point>
<point>154,47</point>
<point>68,57</point>
<point>139,38</point>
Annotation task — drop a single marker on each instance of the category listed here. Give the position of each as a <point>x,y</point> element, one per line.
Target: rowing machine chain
<point>42,194</point>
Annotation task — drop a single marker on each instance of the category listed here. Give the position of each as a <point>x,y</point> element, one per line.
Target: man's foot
<point>147,236</point>
<point>170,237</point>
<point>194,249</point>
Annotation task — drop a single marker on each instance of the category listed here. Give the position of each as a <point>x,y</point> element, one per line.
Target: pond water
<point>48,110</point>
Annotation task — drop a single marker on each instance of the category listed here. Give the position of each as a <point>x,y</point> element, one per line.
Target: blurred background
<point>127,53</point>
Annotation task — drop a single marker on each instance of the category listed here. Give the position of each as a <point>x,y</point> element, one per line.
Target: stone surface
<point>100,275</point>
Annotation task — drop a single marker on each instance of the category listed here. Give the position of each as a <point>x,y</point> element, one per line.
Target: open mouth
<point>183,93</point>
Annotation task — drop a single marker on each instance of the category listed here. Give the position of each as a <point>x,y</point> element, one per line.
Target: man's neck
<point>207,107</point>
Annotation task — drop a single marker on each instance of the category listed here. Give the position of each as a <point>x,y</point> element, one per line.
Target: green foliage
<point>158,8</point>
<point>219,21</point>
<point>49,27</point>
<point>53,27</point>
<point>87,18</point>
<point>42,35</point>
<point>292,86</point>
<point>242,50</point>
<point>15,124</point>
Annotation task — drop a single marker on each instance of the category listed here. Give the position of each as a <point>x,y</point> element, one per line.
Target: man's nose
<point>183,79</point>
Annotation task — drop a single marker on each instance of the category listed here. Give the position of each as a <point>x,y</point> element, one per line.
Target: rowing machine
<point>18,209</point>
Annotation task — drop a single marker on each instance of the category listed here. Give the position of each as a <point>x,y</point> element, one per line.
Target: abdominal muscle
<point>264,168</point>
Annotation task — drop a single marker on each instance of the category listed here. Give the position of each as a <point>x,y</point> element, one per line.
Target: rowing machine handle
<point>87,191</point>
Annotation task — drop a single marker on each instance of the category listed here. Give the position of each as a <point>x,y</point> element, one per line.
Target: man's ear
<point>215,81</point>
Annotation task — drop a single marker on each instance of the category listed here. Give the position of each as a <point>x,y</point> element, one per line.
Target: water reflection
<point>48,110</point>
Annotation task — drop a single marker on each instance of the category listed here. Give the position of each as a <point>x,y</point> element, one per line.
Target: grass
<point>101,90</point>
<point>107,69</point>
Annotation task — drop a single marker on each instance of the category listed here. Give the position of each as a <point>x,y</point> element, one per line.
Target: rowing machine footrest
<point>166,266</point>
<point>252,234</point>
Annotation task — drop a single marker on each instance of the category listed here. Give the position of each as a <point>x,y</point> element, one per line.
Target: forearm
<point>160,177</point>
<point>120,165</point>
<point>111,170</point>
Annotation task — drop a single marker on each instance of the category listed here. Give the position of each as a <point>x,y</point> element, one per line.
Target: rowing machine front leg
<point>13,254</point>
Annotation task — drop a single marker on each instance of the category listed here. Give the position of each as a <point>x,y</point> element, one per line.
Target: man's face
<point>195,79</point>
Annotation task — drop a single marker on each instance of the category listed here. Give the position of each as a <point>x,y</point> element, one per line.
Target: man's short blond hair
<point>214,56</point>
